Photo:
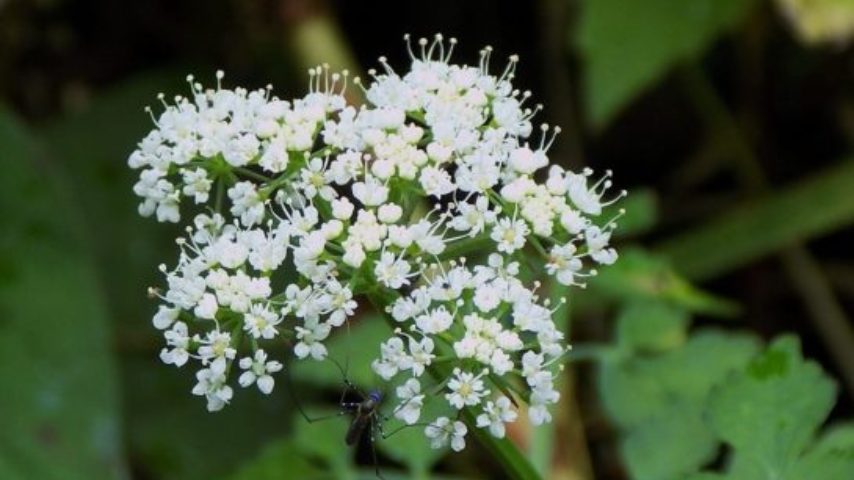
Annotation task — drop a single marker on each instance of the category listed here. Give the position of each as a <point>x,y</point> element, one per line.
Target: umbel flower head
<point>430,201</point>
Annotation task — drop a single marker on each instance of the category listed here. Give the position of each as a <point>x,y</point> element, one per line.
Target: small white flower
<point>196,184</point>
<point>389,213</point>
<point>473,218</point>
<point>371,192</point>
<point>260,322</point>
<point>436,182</point>
<point>435,321</point>
<point>258,371</point>
<point>564,264</point>
<point>207,307</point>
<point>165,317</point>
<point>246,203</point>
<point>178,339</point>
<point>315,181</point>
<point>466,389</point>
<point>487,298</point>
<point>495,415</point>
<point>393,358</point>
<point>411,399</point>
<point>421,354</point>
<point>342,208</point>
<point>597,243</point>
<point>216,350</point>
<point>392,271</point>
<point>526,161</point>
<point>310,338</point>
<point>442,432</point>
<point>211,384</point>
<point>510,234</point>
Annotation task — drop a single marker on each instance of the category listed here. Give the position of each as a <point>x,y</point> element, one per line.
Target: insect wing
<point>360,421</point>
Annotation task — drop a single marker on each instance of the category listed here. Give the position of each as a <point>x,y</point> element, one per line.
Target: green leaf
<point>640,388</point>
<point>642,276</point>
<point>628,46</point>
<point>808,209</point>
<point>278,460</point>
<point>769,412</point>
<point>831,458</point>
<point>669,445</point>
<point>651,326</point>
<point>60,403</point>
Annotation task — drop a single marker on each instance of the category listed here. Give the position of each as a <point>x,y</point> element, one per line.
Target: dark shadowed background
<point>730,122</point>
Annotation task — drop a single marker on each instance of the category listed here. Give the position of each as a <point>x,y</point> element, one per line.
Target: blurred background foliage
<point>719,347</point>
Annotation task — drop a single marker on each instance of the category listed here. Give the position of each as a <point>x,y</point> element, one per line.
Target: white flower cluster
<point>310,205</point>
<point>493,328</point>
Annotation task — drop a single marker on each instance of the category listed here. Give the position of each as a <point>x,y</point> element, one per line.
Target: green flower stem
<point>515,464</point>
<point>254,175</point>
<point>463,247</point>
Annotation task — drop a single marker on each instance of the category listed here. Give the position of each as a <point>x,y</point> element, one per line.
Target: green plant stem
<point>828,316</point>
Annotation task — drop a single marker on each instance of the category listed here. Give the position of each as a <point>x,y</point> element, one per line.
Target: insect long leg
<point>397,430</point>
<point>345,407</point>
<point>375,426</point>
<point>347,381</point>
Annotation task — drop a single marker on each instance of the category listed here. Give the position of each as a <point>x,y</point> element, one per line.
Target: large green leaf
<point>629,45</point>
<point>831,458</point>
<point>639,388</point>
<point>59,402</point>
<point>741,235</point>
<point>770,412</point>
<point>672,443</point>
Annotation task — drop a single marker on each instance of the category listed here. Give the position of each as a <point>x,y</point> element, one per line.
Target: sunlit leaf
<point>769,413</point>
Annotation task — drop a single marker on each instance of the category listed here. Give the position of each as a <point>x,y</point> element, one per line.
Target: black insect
<point>365,411</point>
